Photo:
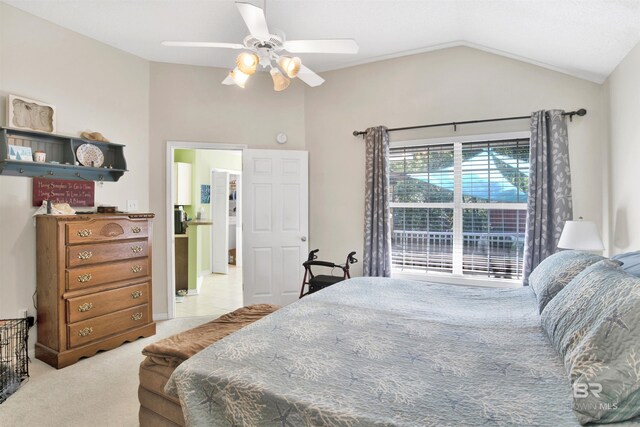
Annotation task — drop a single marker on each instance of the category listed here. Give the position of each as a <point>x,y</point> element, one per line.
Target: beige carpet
<point>98,391</point>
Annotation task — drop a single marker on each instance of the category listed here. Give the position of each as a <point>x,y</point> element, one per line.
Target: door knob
<point>303,238</point>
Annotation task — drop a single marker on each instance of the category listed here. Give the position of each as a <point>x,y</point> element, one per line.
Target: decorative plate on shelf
<point>90,155</point>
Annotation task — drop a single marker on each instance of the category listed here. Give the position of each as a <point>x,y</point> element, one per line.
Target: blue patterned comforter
<point>382,352</point>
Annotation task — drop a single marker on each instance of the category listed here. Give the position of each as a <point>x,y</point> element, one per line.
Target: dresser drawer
<point>100,230</point>
<point>99,327</point>
<point>105,252</point>
<point>100,303</point>
<point>85,277</point>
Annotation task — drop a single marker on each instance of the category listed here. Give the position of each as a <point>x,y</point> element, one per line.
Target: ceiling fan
<point>265,50</point>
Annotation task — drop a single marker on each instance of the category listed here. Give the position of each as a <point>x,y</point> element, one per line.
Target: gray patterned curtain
<point>377,214</point>
<point>549,204</point>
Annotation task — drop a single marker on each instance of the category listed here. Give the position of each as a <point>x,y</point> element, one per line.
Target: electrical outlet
<point>132,206</point>
<point>22,313</point>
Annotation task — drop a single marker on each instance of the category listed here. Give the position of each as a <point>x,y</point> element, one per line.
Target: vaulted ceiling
<point>585,38</point>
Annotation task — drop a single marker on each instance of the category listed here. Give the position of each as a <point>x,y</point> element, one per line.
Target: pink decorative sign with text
<point>76,193</point>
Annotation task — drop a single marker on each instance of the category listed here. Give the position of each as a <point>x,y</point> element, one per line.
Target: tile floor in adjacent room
<point>219,294</point>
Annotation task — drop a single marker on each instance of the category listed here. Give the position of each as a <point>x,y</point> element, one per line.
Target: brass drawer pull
<point>136,294</point>
<point>136,230</point>
<point>84,232</point>
<point>136,269</point>
<point>84,332</point>
<point>85,255</point>
<point>85,307</point>
<point>136,316</point>
<point>83,278</point>
<point>136,249</point>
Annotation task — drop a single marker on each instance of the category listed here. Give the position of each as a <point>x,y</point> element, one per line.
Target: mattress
<point>372,351</point>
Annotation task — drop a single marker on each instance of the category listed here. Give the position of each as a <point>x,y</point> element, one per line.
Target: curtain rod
<point>580,112</point>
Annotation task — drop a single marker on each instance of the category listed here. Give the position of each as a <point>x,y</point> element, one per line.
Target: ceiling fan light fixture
<point>291,66</point>
<point>239,77</point>
<point>262,48</point>
<point>280,82</point>
<point>247,63</point>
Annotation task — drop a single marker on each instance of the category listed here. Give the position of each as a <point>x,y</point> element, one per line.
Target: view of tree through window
<point>460,207</point>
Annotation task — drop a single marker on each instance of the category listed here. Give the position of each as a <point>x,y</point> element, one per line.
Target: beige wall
<point>93,86</point>
<point>188,103</point>
<point>144,104</point>
<point>448,85</point>
<point>623,89</point>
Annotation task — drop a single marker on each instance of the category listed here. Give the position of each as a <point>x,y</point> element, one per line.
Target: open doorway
<point>201,210</point>
<point>226,210</point>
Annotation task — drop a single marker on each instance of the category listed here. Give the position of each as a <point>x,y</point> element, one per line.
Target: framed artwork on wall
<point>76,193</point>
<point>18,152</point>
<point>25,113</point>
<point>205,194</point>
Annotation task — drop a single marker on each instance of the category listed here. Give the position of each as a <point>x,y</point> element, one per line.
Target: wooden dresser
<point>94,284</point>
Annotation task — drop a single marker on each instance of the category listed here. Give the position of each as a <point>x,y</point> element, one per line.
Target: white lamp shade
<point>280,82</point>
<point>239,77</point>
<point>289,65</point>
<point>247,62</point>
<point>581,235</point>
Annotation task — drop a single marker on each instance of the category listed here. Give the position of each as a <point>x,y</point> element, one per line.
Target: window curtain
<point>549,195</point>
<point>377,213</point>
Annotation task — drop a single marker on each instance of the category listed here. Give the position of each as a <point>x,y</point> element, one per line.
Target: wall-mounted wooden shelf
<point>60,149</point>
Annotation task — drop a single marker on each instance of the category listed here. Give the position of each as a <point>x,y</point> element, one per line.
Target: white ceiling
<point>586,38</point>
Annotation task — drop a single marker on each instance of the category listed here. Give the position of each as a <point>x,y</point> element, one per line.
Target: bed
<point>383,352</point>
<point>157,409</point>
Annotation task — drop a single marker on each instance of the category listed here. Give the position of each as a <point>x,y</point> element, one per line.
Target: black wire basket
<point>14,357</point>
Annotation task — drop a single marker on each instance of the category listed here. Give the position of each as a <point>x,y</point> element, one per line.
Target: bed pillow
<point>594,324</point>
<point>556,271</point>
<point>630,262</point>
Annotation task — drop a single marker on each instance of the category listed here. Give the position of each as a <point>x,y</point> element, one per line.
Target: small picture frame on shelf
<point>17,152</point>
<point>25,113</point>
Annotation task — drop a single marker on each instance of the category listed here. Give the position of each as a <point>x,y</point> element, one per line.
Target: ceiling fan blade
<point>203,44</point>
<point>254,18</point>
<point>228,81</point>
<point>309,77</point>
<point>321,46</point>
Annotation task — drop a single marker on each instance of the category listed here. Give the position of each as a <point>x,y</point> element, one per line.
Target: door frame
<point>169,230</point>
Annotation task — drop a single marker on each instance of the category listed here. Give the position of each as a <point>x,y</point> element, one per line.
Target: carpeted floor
<point>98,391</point>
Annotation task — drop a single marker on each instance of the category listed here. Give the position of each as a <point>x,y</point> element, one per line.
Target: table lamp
<point>581,235</point>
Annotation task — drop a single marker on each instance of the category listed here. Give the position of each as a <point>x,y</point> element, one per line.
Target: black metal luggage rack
<point>14,358</point>
<point>321,281</point>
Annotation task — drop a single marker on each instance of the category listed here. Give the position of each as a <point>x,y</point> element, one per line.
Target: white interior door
<point>220,217</point>
<point>275,224</point>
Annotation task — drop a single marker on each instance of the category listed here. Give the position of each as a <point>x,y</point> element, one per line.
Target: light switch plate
<point>132,206</point>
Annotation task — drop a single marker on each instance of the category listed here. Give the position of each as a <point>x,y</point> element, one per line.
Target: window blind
<point>460,208</point>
